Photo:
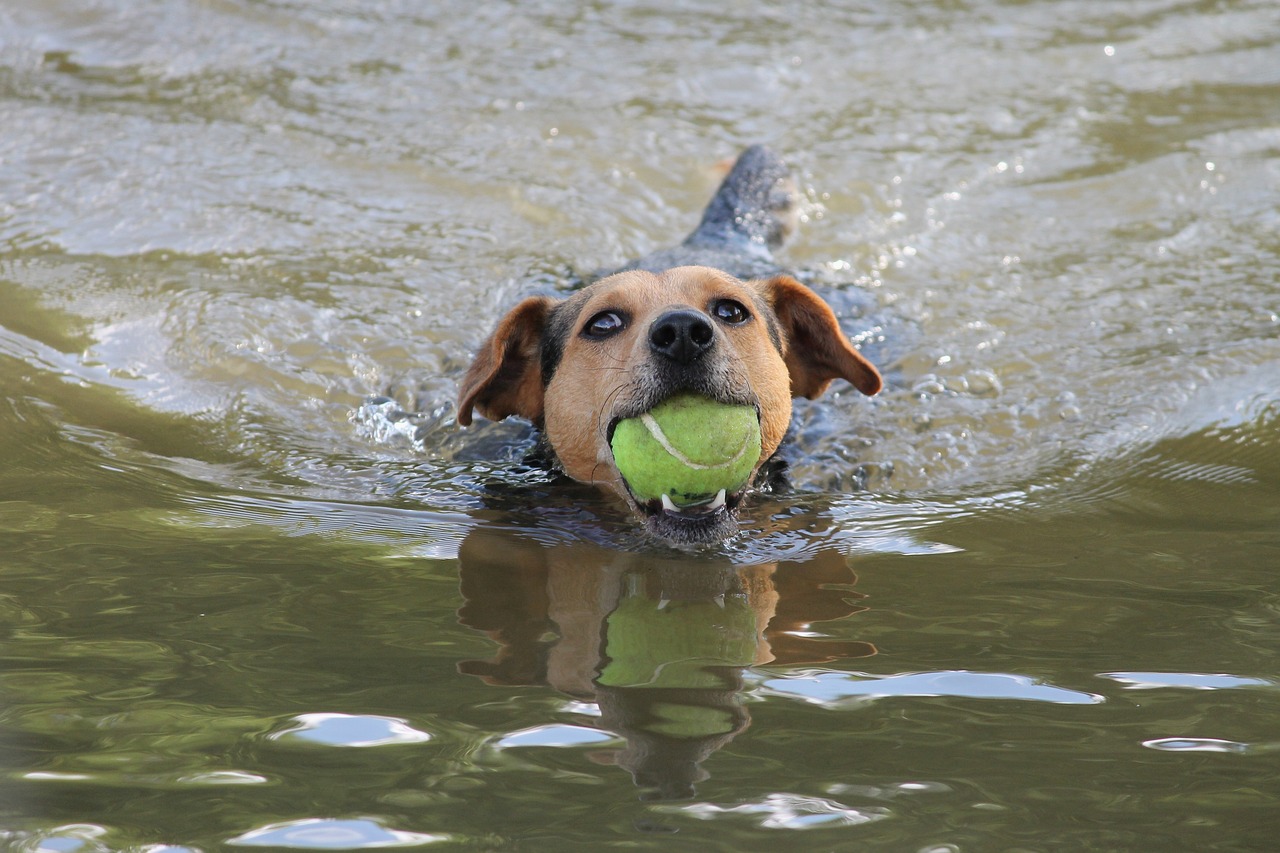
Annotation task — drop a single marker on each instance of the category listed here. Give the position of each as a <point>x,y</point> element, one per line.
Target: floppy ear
<point>506,376</point>
<point>814,348</point>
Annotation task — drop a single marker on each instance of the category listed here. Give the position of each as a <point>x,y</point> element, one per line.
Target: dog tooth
<point>662,603</point>
<point>718,502</point>
<point>668,504</point>
<point>719,600</point>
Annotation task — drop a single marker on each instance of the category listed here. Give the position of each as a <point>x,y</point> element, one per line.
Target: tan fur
<point>598,378</point>
<point>505,378</point>
<point>816,351</point>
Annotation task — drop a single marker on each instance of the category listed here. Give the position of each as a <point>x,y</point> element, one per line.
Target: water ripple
<point>788,811</point>
<point>351,730</point>
<point>840,689</point>
<point>332,834</point>
<point>554,735</point>
<point>1195,744</point>
<point>1186,680</point>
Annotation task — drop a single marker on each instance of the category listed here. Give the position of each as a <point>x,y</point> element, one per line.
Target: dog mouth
<point>683,519</point>
<point>710,521</point>
<point>719,503</point>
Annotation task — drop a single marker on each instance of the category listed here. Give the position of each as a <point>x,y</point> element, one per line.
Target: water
<point>1025,599</point>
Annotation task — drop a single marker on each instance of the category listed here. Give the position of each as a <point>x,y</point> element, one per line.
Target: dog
<point>713,316</point>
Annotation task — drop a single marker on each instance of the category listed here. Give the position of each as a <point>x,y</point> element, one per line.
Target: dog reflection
<point>659,643</point>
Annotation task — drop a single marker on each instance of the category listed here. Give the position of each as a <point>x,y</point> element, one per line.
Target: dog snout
<point>682,335</point>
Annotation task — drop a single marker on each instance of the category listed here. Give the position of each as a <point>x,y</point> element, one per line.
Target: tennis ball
<point>688,448</point>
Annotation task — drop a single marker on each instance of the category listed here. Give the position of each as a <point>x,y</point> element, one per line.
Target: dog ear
<point>506,376</point>
<point>814,348</point>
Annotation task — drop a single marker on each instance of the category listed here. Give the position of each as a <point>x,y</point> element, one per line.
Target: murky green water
<point>1025,600</point>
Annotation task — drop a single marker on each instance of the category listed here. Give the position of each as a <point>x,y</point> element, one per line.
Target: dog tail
<point>754,211</point>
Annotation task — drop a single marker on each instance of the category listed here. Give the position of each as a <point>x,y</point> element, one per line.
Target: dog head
<point>617,348</point>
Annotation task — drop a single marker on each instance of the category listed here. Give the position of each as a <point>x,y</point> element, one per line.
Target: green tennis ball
<point>688,448</point>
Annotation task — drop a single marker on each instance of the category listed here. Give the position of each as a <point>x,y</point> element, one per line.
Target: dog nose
<point>681,335</point>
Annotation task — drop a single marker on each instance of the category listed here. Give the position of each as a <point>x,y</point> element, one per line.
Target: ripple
<point>1185,680</point>
<point>1196,744</point>
<point>56,776</point>
<point>891,791</point>
<point>554,735</point>
<point>787,811</point>
<point>412,533</point>
<point>68,838</point>
<point>351,730</point>
<point>332,834</point>
<point>152,780</point>
<point>224,777</point>
<point>838,689</point>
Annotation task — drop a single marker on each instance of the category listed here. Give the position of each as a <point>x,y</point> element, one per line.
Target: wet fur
<point>544,363</point>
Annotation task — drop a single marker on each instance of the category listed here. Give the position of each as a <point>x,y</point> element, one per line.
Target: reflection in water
<point>659,641</point>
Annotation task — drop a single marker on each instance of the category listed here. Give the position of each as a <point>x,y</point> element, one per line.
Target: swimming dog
<point>712,317</point>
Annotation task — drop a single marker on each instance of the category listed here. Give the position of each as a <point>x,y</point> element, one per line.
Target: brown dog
<point>625,343</point>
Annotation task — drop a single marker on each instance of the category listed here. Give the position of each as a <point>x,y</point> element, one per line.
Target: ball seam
<point>655,429</point>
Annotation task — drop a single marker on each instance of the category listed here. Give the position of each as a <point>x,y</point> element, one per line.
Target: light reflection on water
<point>837,690</point>
<point>331,834</point>
<point>351,731</point>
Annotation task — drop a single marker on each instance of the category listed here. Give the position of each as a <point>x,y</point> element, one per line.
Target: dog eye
<point>731,312</point>
<point>604,324</point>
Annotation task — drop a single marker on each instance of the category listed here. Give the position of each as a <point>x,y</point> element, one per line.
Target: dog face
<point>619,347</point>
